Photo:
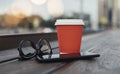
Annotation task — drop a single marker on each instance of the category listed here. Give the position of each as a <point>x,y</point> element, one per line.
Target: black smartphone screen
<point>68,57</point>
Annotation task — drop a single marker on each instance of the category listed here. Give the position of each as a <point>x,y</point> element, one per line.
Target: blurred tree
<point>35,20</point>
<point>31,22</point>
<point>104,21</point>
<point>24,23</point>
<point>2,21</point>
<point>49,23</point>
<point>0,18</point>
<point>10,20</point>
<point>75,15</point>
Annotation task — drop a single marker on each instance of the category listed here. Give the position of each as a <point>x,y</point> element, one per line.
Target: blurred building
<point>111,10</point>
<point>116,14</point>
<point>97,14</point>
<point>90,7</point>
<point>103,13</point>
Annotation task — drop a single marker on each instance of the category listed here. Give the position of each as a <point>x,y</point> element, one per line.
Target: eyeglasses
<point>28,49</point>
<point>43,52</point>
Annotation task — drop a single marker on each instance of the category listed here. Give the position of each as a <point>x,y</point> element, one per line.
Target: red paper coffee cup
<point>69,32</point>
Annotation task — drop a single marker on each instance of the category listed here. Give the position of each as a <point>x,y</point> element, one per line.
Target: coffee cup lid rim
<point>69,22</point>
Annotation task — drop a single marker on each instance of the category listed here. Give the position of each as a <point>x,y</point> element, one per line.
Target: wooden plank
<point>14,52</point>
<point>12,41</point>
<point>108,45</point>
<point>26,67</point>
<point>9,41</point>
<point>105,43</point>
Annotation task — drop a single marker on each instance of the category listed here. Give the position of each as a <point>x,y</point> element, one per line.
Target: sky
<point>45,10</point>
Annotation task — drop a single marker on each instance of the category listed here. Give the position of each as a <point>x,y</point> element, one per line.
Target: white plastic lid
<point>69,22</point>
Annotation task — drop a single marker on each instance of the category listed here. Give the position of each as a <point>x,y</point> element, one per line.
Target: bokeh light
<point>55,8</point>
<point>38,2</point>
<point>21,7</point>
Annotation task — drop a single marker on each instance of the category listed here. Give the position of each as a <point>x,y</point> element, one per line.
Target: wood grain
<point>107,44</point>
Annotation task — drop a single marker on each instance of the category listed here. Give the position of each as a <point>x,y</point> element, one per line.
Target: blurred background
<point>39,16</point>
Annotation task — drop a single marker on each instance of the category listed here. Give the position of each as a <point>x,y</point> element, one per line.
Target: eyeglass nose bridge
<point>39,46</point>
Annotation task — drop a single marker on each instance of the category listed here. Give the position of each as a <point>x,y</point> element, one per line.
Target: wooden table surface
<point>107,44</point>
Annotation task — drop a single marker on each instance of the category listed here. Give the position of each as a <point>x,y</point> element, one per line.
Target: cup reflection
<point>63,55</point>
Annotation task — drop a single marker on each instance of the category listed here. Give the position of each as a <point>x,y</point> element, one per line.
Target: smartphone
<point>62,57</point>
